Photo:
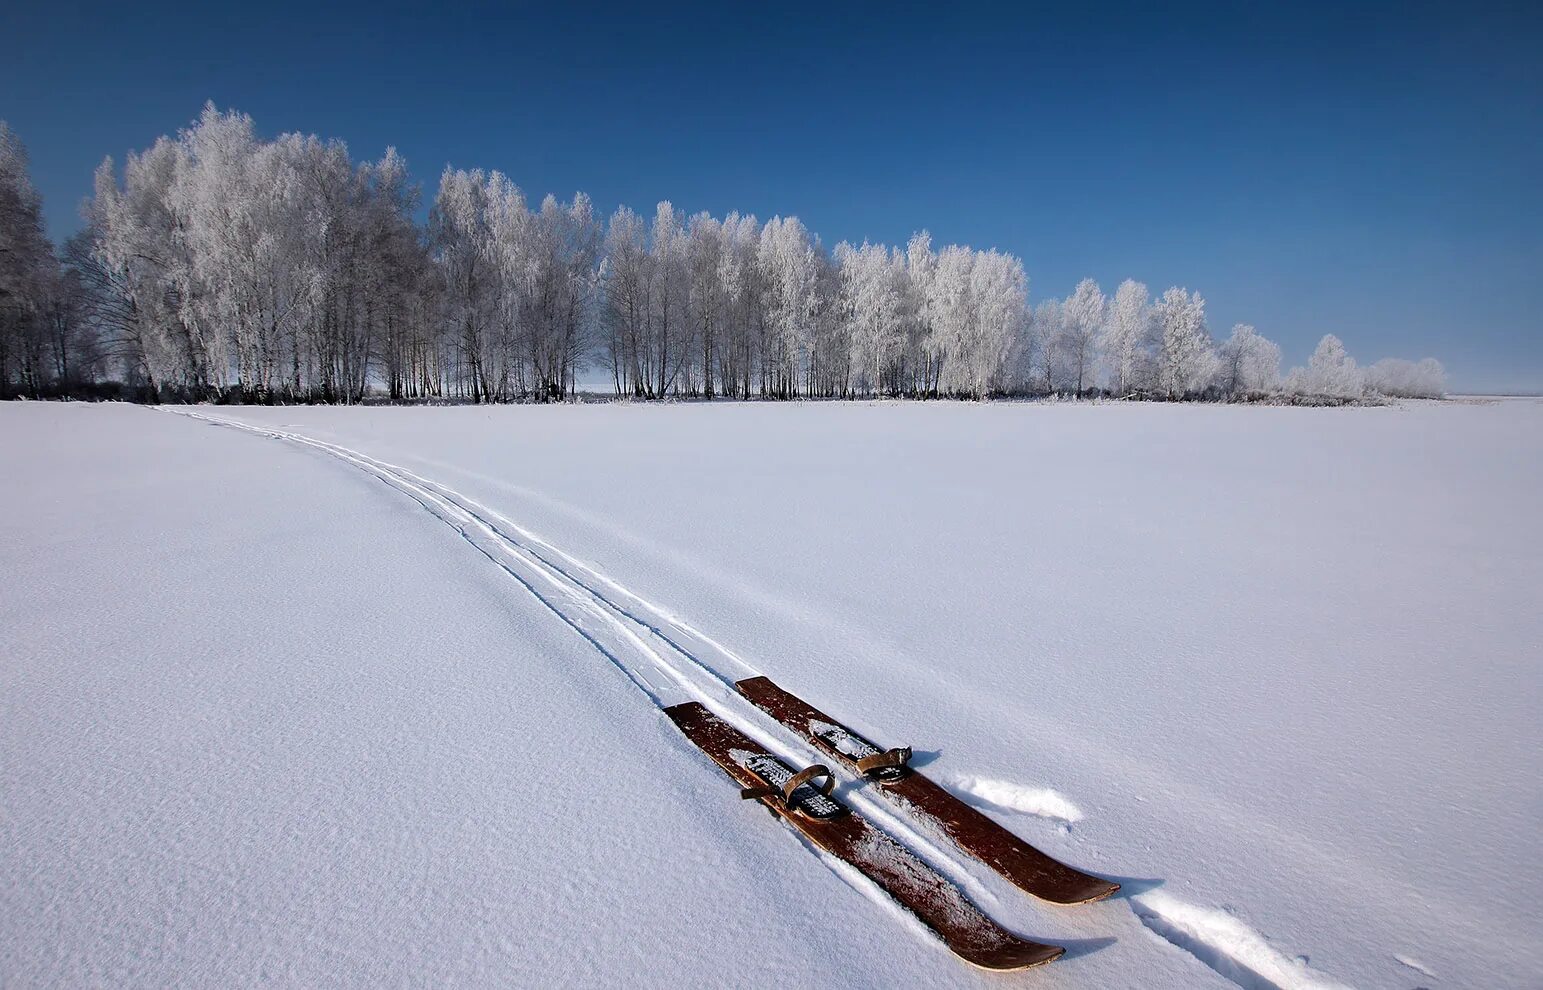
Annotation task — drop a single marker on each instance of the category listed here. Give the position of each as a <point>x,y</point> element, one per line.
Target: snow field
<point>1211,638</point>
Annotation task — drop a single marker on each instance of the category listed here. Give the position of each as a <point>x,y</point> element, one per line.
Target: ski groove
<point>1227,945</point>
<point>571,590</point>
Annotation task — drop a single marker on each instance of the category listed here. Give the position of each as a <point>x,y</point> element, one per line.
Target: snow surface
<point>367,702</point>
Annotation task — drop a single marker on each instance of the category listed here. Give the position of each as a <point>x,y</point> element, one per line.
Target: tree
<point>460,233</point>
<point>670,295</point>
<point>705,249</point>
<point>744,292</point>
<point>1047,336</point>
<point>220,263</point>
<point>1248,362</point>
<point>1330,373</point>
<point>626,282</point>
<point>1082,321</point>
<point>950,304</point>
<point>1187,361</point>
<point>790,264</point>
<point>999,292</point>
<point>1127,332</point>
<point>281,264</point>
<point>136,226</point>
<point>29,273</point>
<point>921,266</point>
<point>113,331</point>
<point>873,293</point>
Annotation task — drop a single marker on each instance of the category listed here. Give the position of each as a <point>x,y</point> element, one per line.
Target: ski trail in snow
<point>1227,945</point>
<point>624,627</point>
<point>1414,964</point>
<point>615,621</point>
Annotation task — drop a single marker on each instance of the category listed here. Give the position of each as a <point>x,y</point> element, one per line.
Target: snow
<point>1004,795</point>
<point>384,709</point>
<point>1226,944</point>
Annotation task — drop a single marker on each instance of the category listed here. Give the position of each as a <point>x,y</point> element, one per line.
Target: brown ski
<point>835,828</point>
<point>1022,864</point>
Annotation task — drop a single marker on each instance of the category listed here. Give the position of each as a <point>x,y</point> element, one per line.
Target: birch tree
<point>1188,359</point>
<point>28,270</point>
<point>1126,333</point>
<point>1082,321</point>
<point>1247,362</point>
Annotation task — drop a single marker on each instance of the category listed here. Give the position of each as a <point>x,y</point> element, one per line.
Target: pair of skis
<point>808,807</point>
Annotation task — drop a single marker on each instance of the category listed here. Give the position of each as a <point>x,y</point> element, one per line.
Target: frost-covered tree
<point>744,291</point>
<point>218,262</point>
<point>1330,373</point>
<point>670,296</point>
<point>465,259</point>
<point>29,273</point>
<point>1399,378</point>
<point>1247,362</point>
<point>395,285</point>
<point>873,294</point>
<point>233,199</point>
<point>828,371</point>
<point>139,228</point>
<point>950,305</point>
<point>550,271</point>
<point>921,266</point>
<point>1127,335</point>
<point>279,267</point>
<point>1083,316</point>
<point>791,267</point>
<point>705,247</point>
<point>1045,328</point>
<point>1187,360</point>
<point>627,280</point>
<point>999,291</point>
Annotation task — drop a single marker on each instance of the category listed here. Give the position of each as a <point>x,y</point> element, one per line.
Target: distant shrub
<point>1402,379</point>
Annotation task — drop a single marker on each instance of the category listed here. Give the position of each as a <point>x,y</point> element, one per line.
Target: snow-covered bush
<point>1425,379</point>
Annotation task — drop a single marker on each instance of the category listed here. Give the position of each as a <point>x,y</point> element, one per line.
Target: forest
<point>219,266</point>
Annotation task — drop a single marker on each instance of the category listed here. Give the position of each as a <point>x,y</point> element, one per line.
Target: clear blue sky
<point>1371,172</point>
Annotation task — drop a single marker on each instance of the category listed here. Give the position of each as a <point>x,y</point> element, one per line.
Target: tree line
<point>219,266</point>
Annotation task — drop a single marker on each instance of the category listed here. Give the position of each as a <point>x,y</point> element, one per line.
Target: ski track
<point>615,621</point>
<point>1227,945</point>
<point>623,627</point>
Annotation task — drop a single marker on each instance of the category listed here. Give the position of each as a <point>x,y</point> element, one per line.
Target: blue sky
<point>1375,172</point>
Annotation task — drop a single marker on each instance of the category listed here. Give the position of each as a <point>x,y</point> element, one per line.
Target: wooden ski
<point>835,828</point>
<point>1025,866</point>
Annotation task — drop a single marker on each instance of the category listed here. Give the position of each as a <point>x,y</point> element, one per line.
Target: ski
<point>1023,865</point>
<point>830,825</point>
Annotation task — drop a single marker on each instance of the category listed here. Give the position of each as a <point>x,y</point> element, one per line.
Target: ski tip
<point>756,680</point>
<point>1017,954</point>
<point>686,713</point>
<point>1110,889</point>
<point>1094,890</point>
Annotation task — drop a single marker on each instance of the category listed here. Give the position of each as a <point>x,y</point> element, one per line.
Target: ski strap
<point>896,757</point>
<point>794,783</point>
